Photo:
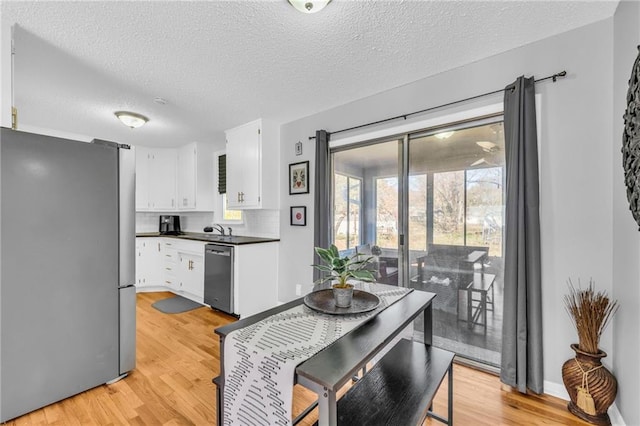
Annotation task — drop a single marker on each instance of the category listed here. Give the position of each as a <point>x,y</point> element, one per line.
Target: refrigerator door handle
<point>127,195</point>
<point>127,296</point>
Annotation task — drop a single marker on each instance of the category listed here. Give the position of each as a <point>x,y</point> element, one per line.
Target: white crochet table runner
<point>260,359</point>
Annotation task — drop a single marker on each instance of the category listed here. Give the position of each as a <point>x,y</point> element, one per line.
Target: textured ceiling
<point>223,63</point>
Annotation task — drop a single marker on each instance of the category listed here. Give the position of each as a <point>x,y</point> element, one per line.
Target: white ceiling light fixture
<point>131,119</point>
<point>309,6</point>
<point>444,135</point>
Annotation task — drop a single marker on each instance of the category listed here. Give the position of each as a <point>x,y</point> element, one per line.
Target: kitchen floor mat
<point>176,305</point>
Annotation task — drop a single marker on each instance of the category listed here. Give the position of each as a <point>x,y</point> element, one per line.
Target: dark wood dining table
<point>330,369</point>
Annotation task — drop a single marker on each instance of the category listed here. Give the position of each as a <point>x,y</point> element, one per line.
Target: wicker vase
<point>591,386</point>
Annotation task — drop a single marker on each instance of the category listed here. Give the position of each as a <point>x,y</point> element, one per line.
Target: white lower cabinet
<point>191,274</point>
<point>148,258</point>
<point>255,272</point>
<point>177,265</point>
<point>170,264</point>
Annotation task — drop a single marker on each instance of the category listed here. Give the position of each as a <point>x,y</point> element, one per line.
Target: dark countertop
<point>212,238</point>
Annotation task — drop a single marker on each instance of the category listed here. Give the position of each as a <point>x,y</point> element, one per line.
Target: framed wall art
<point>630,152</point>
<point>299,178</point>
<point>299,216</point>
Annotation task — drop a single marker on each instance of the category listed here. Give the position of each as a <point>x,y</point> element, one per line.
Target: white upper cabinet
<point>253,166</point>
<point>155,178</point>
<point>142,178</point>
<point>162,179</point>
<point>169,179</point>
<point>187,172</point>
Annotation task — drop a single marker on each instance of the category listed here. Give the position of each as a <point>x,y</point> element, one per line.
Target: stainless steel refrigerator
<point>67,271</point>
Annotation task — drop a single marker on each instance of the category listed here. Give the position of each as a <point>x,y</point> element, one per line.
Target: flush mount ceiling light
<point>309,6</point>
<point>444,135</point>
<point>131,119</point>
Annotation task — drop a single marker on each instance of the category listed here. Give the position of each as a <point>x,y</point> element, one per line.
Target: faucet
<point>230,230</point>
<point>219,228</point>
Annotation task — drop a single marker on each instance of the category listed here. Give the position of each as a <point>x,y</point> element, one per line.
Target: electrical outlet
<point>298,289</point>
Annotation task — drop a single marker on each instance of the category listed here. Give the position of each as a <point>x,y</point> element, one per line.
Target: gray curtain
<point>522,326</point>
<point>322,211</point>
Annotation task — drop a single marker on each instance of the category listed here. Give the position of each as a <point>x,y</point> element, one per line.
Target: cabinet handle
<point>158,246</point>
<point>238,197</point>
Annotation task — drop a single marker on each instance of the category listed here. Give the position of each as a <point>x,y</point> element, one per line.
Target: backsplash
<point>257,223</point>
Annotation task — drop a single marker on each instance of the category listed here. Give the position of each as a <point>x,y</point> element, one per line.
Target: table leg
<point>450,397</point>
<point>327,411</point>
<point>483,304</point>
<point>220,388</point>
<point>428,325</point>
<point>470,309</point>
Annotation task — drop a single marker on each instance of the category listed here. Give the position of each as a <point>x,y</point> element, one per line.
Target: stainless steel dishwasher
<point>218,277</point>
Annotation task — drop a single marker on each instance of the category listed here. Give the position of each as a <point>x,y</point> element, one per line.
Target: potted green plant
<point>340,270</point>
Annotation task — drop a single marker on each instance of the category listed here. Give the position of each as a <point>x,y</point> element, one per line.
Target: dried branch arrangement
<point>590,312</point>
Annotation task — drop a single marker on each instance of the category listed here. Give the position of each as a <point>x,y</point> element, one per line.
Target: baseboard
<point>615,416</point>
<point>558,390</point>
<point>152,289</point>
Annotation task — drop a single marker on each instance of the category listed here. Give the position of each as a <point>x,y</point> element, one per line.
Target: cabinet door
<point>148,262</point>
<point>162,179</point>
<point>140,267</point>
<point>234,168</point>
<point>191,275</point>
<point>143,156</point>
<point>187,172</point>
<point>243,166</point>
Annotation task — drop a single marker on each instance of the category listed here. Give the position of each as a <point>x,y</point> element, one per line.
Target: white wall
<point>626,239</point>
<point>576,165</point>
<point>257,223</point>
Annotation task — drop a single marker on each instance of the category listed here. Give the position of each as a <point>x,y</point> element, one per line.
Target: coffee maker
<point>170,225</point>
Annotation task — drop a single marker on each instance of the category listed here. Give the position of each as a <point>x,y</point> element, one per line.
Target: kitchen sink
<point>219,238</point>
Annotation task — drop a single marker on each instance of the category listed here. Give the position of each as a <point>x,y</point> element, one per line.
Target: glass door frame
<point>400,139</point>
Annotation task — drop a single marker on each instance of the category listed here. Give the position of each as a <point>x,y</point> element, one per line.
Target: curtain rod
<point>553,77</point>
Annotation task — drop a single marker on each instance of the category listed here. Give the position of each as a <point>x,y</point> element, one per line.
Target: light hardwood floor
<point>178,355</point>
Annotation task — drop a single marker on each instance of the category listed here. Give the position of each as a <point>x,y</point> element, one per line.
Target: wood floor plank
<point>178,355</point>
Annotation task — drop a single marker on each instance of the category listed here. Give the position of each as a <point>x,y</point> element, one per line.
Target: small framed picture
<point>299,178</point>
<point>299,216</point>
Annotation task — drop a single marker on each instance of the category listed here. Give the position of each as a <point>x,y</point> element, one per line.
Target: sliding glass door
<point>430,207</point>
<point>455,234</point>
